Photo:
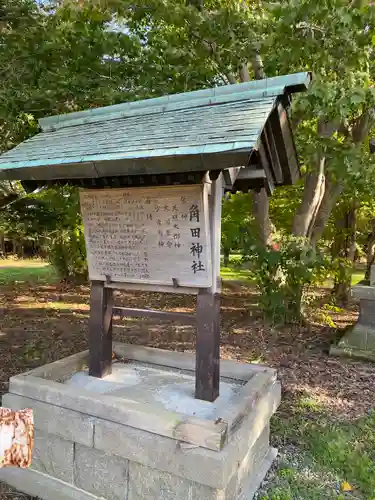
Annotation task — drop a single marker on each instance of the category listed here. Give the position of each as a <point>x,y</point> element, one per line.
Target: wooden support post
<point>207,369</point>
<point>100,330</point>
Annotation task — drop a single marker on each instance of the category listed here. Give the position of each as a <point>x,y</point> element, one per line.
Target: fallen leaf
<point>346,486</point>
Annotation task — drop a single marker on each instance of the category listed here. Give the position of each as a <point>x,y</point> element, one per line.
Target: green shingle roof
<point>207,129</point>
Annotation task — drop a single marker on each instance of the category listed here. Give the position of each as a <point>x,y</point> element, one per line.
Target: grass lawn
<point>23,271</point>
<point>324,429</point>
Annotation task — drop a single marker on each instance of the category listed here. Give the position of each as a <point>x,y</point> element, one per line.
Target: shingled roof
<point>242,125</point>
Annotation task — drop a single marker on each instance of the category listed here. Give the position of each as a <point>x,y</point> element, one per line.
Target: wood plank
<point>155,235</point>
<point>290,147</point>
<point>207,370</point>
<point>266,165</point>
<point>186,318</point>
<point>215,231</point>
<point>146,287</point>
<point>100,330</point>
<point>271,146</point>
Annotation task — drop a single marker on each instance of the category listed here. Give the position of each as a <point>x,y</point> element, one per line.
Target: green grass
<point>31,271</point>
<point>26,271</point>
<point>37,271</point>
<point>236,273</point>
<point>358,275</point>
<point>329,454</point>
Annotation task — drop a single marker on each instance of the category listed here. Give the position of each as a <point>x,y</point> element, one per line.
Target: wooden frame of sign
<point>157,239</point>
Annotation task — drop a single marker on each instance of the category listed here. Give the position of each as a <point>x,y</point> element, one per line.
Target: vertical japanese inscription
<point>149,235</point>
<point>196,247</point>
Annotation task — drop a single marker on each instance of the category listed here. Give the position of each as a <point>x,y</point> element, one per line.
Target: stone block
<point>151,484</point>
<point>199,465</point>
<point>67,424</point>
<point>372,275</point>
<point>100,473</point>
<point>250,464</point>
<point>53,455</point>
<point>254,482</point>
<point>43,486</point>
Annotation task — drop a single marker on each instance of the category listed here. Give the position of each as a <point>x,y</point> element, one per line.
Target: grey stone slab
<point>198,431</point>
<point>254,482</point>
<point>367,313</point>
<point>100,473</point>
<point>372,275</point>
<point>40,485</point>
<point>251,428</point>
<point>151,484</point>
<point>200,465</point>
<point>53,455</point>
<point>361,291</point>
<point>252,461</point>
<point>67,424</point>
<point>63,368</point>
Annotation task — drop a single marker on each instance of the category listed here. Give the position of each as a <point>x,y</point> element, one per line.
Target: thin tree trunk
<point>2,245</point>
<point>331,195</point>
<point>226,256</point>
<point>345,247</point>
<point>312,197</point>
<point>370,253</point>
<point>261,215</point>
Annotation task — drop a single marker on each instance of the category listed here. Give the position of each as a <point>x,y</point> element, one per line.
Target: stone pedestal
<point>359,341</point>
<point>136,435</point>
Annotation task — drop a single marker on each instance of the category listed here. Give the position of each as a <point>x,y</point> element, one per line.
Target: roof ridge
<point>253,90</point>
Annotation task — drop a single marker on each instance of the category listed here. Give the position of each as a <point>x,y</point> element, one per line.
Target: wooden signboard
<point>153,235</point>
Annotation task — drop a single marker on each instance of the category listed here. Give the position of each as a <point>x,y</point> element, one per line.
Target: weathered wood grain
<point>156,235</point>
<point>185,318</point>
<point>207,370</point>
<point>100,330</point>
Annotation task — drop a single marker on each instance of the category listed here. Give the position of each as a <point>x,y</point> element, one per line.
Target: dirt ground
<point>43,323</point>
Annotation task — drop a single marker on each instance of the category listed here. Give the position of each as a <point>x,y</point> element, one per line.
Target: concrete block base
<point>106,440</point>
<point>359,341</point>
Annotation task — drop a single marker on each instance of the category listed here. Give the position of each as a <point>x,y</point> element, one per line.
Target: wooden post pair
<point>207,340</point>
<point>207,371</point>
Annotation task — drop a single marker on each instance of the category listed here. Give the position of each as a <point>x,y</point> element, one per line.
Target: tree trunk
<point>331,194</point>
<point>2,246</point>
<point>261,214</point>
<point>312,197</point>
<point>226,255</point>
<point>370,253</point>
<point>344,249</point>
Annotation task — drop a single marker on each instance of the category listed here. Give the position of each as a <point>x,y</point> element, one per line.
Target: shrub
<point>283,273</point>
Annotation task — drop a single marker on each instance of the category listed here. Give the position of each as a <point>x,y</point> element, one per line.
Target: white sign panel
<point>148,235</point>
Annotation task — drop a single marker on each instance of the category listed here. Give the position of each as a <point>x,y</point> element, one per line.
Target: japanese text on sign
<point>151,235</point>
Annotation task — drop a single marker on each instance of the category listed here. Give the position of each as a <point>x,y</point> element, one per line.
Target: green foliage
<point>62,56</point>
<point>283,274</point>
<point>66,244</point>
<point>236,219</point>
<point>67,254</point>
